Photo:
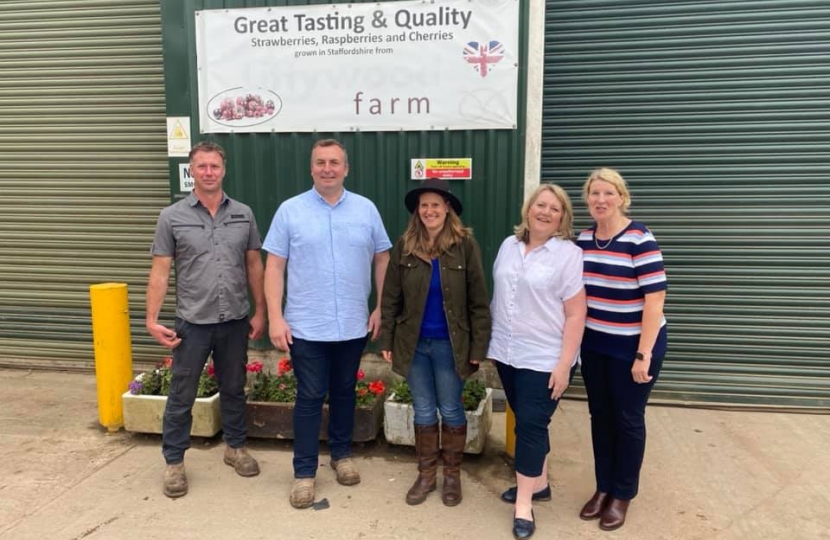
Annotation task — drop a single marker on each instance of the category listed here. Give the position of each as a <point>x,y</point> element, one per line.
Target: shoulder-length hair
<point>416,237</point>
<point>565,230</point>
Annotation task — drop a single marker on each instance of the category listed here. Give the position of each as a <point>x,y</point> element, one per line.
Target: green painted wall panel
<point>266,169</point>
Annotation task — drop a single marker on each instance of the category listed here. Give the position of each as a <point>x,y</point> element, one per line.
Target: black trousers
<point>528,394</point>
<point>618,423</point>
<point>228,342</point>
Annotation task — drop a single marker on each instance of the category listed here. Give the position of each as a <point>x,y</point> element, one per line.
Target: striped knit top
<point>617,276</point>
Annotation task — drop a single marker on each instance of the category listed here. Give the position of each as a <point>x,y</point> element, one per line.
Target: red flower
<point>377,387</point>
<point>284,366</point>
<point>168,362</point>
<point>210,371</point>
<point>362,391</point>
<point>254,367</point>
<point>360,374</point>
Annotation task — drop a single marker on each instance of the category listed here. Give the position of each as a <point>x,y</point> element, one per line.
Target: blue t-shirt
<point>434,323</point>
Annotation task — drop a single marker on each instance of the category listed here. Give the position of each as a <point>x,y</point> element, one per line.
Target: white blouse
<point>529,291</point>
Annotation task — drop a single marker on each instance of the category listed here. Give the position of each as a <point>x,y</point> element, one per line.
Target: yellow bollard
<point>510,432</point>
<point>113,350</point>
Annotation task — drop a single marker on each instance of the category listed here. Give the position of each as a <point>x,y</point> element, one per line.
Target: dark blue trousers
<point>228,343</point>
<point>618,423</point>
<point>321,368</point>
<point>528,394</point>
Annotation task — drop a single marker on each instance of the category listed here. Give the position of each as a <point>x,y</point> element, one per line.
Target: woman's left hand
<point>558,382</point>
<point>639,371</point>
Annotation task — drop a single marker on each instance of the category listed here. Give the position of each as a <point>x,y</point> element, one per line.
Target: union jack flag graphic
<point>483,55</point>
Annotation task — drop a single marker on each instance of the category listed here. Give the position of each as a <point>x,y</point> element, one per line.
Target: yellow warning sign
<point>178,131</point>
<point>178,136</point>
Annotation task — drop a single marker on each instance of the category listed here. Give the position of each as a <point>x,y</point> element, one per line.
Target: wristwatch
<point>639,356</point>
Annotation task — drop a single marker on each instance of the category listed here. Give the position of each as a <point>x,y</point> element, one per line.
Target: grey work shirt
<point>211,272</point>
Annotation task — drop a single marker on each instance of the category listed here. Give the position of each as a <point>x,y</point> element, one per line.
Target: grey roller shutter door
<point>718,115</point>
<point>83,170</point>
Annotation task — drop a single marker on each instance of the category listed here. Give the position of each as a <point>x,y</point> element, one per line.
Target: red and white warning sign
<point>446,168</point>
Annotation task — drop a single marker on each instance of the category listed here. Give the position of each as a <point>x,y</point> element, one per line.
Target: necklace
<point>596,242</point>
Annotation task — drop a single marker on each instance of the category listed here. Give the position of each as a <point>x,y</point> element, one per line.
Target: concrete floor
<point>707,475</point>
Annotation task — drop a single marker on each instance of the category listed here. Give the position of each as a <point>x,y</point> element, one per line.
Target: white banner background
<point>451,64</point>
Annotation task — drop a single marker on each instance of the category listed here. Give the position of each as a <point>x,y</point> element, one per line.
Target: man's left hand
<point>374,324</point>
<point>257,323</point>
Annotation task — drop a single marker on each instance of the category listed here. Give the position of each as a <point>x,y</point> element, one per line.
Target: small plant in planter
<point>157,381</point>
<point>271,397</point>
<point>144,402</point>
<point>398,424</point>
<point>474,392</point>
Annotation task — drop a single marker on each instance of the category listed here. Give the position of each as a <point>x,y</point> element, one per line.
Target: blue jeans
<point>324,367</point>
<point>435,384</point>
<point>228,342</point>
<point>528,394</point>
<point>618,421</point>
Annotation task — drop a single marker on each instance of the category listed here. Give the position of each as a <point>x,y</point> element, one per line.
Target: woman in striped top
<point>624,341</point>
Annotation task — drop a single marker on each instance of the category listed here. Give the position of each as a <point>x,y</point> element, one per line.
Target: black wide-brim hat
<point>435,185</point>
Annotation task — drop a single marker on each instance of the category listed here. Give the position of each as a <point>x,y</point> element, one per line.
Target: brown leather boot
<point>453,440</point>
<point>426,448</point>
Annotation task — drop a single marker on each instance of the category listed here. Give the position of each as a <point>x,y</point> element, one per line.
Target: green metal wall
<point>265,169</point>
<point>83,171</point>
<point>717,113</point>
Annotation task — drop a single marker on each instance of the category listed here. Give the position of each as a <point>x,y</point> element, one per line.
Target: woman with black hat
<point>435,329</point>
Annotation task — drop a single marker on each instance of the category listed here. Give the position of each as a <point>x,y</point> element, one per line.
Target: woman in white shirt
<point>538,312</point>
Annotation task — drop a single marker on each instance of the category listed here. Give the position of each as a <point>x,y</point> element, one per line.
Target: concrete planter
<point>269,420</point>
<point>144,414</point>
<point>399,427</point>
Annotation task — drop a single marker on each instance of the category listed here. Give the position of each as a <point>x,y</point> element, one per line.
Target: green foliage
<point>274,388</point>
<point>157,381</point>
<point>474,392</point>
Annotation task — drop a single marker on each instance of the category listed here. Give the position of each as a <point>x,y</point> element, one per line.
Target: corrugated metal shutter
<point>717,113</point>
<point>83,170</point>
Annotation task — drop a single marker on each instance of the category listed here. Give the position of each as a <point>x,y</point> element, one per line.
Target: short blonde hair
<point>612,177</point>
<point>565,230</point>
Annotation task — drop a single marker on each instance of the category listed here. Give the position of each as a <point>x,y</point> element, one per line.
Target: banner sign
<point>415,66</point>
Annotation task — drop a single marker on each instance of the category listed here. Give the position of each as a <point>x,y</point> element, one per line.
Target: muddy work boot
<point>426,447</point>
<point>175,481</point>
<point>241,461</point>
<point>347,473</point>
<point>302,493</point>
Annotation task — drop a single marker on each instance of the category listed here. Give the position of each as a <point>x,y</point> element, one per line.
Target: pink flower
<point>210,370</point>
<point>254,367</point>
<point>360,374</point>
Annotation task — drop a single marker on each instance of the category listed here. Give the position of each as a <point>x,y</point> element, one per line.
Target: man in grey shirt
<point>215,243</point>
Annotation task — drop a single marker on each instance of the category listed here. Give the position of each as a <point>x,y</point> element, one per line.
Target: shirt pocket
<point>192,239</point>
<point>235,234</point>
<point>359,235</point>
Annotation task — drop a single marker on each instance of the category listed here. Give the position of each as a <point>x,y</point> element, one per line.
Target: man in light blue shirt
<point>329,240</point>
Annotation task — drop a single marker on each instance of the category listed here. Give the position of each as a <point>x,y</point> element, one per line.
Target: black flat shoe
<point>524,528</point>
<point>509,496</point>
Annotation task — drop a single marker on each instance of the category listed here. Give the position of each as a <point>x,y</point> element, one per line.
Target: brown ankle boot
<point>453,440</point>
<point>426,448</point>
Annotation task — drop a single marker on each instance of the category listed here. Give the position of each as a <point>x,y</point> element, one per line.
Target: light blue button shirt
<point>330,250</point>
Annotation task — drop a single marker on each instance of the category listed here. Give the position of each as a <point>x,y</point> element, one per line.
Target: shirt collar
<point>323,200</point>
<point>193,200</point>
